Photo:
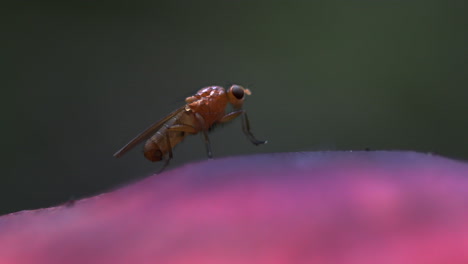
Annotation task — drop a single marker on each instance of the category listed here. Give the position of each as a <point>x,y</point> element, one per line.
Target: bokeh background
<point>82,78</point>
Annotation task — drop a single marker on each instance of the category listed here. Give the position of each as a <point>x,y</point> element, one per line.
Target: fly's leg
<point>246,129</point>
<point>177,128</point>
<point>245,125</point>
<point>230,116</point>
<point>166,163</point>
<point>207,144</point>
<point>201,123</point>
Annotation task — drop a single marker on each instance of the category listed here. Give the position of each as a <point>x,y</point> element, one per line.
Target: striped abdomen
<point>163,140</point>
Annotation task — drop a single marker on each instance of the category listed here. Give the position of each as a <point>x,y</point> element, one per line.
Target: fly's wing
<point>147,133</point>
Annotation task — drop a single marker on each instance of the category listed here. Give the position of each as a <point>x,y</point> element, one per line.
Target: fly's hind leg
<point>168,159</point>
<point>175,128</point>
<point>245,125</point>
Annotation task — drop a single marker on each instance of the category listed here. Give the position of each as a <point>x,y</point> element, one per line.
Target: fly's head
<point>236,95</point>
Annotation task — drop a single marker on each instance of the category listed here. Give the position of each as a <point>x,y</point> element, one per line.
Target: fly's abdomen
<point>152,151</point>
<point>161,143</point>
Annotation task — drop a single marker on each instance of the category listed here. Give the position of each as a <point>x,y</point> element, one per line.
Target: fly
<point>202,110</point>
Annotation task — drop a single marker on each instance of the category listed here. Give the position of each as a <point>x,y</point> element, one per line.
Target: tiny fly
<point>202,110</point>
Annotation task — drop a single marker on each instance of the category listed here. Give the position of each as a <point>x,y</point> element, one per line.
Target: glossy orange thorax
<point>209,102</point>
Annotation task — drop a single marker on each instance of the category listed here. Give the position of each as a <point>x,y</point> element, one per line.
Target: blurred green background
<point>81,78</point>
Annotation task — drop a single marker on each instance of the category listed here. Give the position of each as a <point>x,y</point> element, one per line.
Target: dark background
<point>80,79</point>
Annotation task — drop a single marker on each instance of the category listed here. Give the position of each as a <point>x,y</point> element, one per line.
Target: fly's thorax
<point>206,92</point>
<point>211,91</point>
<point>210,104</point>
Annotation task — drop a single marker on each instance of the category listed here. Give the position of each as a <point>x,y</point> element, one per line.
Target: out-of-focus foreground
<point>322,207</point>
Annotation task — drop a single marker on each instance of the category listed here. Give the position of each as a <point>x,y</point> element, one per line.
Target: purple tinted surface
<point>311,207</point>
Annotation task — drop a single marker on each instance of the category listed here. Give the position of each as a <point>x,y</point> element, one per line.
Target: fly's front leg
<point>245,125</point>
<point>246,129</point>
<point>230,116</point>
<point>201,123</point>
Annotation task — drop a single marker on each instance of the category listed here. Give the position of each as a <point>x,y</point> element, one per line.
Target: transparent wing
<point>147,133</point>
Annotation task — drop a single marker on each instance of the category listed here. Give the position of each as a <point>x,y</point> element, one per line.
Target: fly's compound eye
<point>237,91</point>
